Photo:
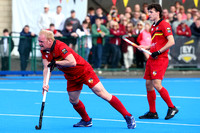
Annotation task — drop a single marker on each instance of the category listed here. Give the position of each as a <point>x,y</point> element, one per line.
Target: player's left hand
<point>52,64</point>
<point>155,54</point>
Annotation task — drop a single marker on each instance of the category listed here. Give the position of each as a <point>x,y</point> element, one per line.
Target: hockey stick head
<point>38,127</point>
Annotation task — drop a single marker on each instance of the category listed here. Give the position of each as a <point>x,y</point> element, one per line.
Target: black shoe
<point>83,123</point>
<point>149,115</point>
<point>171,112</point>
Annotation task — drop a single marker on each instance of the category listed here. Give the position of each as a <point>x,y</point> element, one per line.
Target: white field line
<point>91,93</point>
<point>100,119</point>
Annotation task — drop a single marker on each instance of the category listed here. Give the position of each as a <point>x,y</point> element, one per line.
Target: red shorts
<point>156,68</point>
<point>90,79</point>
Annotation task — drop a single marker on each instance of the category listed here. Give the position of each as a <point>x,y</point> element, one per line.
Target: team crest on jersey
<point>64,51</point>
<point>151,29</point>
<point>90,81</point>
<point>154,73</point>
<point>168,30</point>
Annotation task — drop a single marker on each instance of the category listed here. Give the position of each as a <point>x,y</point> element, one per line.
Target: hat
<point>72,11</point>
<point>46,6</point>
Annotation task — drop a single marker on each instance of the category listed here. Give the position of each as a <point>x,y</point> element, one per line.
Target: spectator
<point>195,28</point>
<point>115,43</point>
<point>128,49</point>
<point>144,37</point>
<point>183,29</point>
<point>84,32</point>
<point>123,23</point>
<point>25,46</point>
<point>137,8</point>
<point>99,31</point>
<point>129,16</point>
<point>58,18</point>
<point>177,22</point>
<point>88,20</point>
<point>73,20</point>
<point>6,47</point>
<point>99,14</point>
<point>145,10</point>
<point>91,15</point>
<point>165,14</point>
<point>128,9</point>
<point>173,13</point>
<point>182,11</point>
<point>177,5</point>
<point>71,35</point>
<point>189,20</point>
<point>114,13</point>
<point>55,32</point>
<point>173,9</point>
<point>45,18</point>
<point>139,54</point>
<point>171,18</point>
<point>136,18</point>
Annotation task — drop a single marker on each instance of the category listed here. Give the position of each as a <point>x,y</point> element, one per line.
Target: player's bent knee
<point>73,101</point>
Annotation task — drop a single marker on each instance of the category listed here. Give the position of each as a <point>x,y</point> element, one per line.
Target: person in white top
<point>45,18</point>
<point>58,18</point>
<point>87,40</point>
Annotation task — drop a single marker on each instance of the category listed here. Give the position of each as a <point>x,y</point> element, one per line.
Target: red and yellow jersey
<point>159,33</point>
<point>59,51</point>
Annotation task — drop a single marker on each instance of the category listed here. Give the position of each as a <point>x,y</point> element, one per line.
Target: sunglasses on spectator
<point>139,24</point>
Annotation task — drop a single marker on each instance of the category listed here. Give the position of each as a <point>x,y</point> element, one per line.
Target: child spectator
<point>6,47</point>
<point>144,38</point>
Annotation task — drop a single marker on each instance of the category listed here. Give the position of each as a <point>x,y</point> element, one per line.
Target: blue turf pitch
<point>21,97</point>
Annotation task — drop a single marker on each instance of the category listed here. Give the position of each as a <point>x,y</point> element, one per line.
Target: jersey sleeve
<point>167,29</point>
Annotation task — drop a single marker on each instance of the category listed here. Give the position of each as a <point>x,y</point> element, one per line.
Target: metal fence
<point>185,54</point>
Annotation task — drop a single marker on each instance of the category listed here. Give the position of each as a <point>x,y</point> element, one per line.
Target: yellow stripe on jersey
<point>156,34</point>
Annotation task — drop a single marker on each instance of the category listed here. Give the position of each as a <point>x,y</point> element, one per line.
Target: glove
<point>155,54</point>
<point>52,64</point>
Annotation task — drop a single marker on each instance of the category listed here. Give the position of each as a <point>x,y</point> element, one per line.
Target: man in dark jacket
<point>25,45</point>
<point>195,28</point>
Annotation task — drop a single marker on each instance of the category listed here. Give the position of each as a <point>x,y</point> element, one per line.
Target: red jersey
<point>59,51</point>
<point>159,33</point>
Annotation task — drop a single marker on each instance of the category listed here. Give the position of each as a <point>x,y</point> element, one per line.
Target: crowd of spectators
<point>103,44</point>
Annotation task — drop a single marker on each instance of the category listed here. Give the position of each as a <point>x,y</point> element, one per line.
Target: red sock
<point>165,96</point>
<point>116,103</point>
<point>151,97</point>
<point>80,108</point>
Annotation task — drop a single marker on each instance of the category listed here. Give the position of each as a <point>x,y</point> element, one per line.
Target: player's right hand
<point>52,64</point>
<point>45,88</point>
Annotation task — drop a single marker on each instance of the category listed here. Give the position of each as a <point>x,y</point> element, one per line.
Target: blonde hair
<point>47,34</point>
<point>115,23</point>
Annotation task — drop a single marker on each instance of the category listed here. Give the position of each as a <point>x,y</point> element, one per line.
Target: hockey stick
<point>135,45</point>
<point>43,102</point>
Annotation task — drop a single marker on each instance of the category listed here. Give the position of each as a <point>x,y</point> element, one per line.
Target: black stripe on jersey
<point>160,31</point>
